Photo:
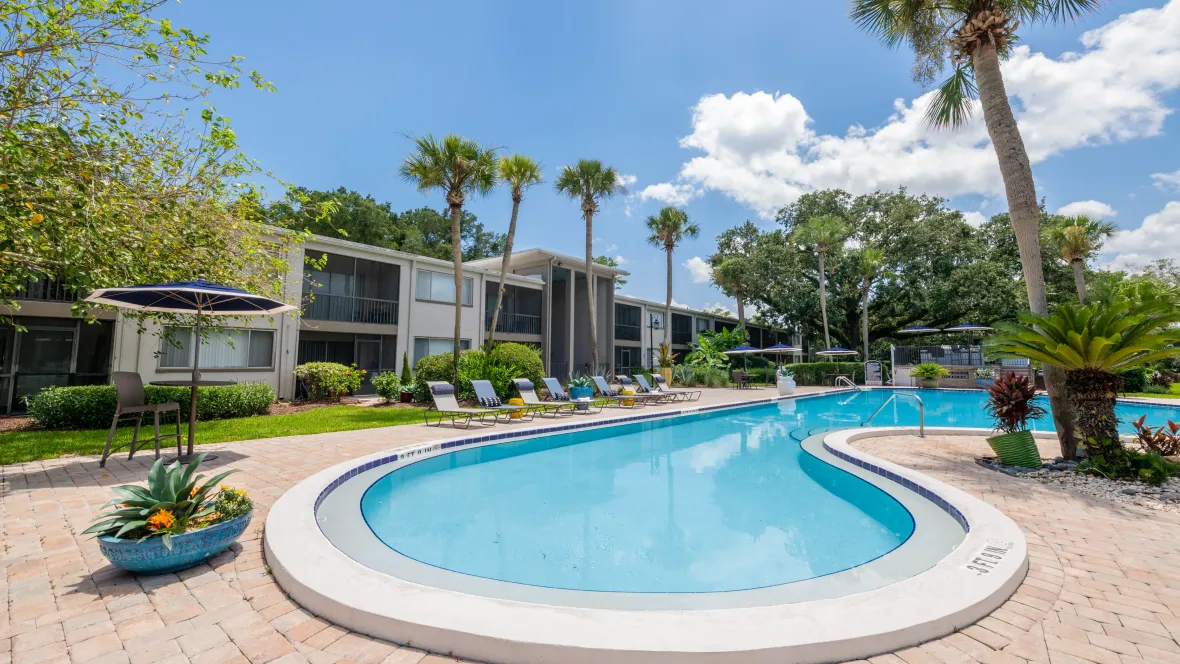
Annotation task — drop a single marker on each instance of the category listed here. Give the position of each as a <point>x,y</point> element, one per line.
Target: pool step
<point>800,434</point>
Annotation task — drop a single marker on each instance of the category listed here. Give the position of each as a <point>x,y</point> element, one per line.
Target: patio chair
<point>611,396</point>
<point>557,394</point>
<point>641,392</point>
<point>741,379</point>
<point>444,405</point>
<point>130,400</point>
<point>528,394</point>
<point>662,388</point>
<point>488,399</point>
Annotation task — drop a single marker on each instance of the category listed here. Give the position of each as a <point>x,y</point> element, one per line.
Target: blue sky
<point>624,82</point>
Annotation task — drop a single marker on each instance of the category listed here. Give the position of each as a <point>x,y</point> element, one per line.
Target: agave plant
<point>1093,344</point>
<point>172,501</point>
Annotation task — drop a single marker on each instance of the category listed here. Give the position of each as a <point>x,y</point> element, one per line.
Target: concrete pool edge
<point>327,582</point>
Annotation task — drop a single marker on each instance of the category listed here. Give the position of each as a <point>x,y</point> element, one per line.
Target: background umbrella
<point>743,351</point>
<point>778,350</point>
<point>198,298</point>
<point>837,352</point>
<point>919,329</point>
<point>970,330</point>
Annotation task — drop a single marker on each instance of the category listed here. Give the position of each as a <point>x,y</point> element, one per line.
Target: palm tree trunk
<point>864,316</point>
<point>823,301</point>
<point>741,310</point>
<point>1079,279</point>
<point>589,216</point>
<point>503,271</point>
<point>1095,392</point>
<point>668,303</point>
<point>1025,213</point>
<point>457,257</point>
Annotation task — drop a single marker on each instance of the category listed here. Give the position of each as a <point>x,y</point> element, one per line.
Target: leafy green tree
<point>459,167</point>
<point>823,235</point>
<point>589,182</point>
<point>872,264</point>
<point>732,275</point>
<point>610,261</point>
<point>100,185</point>
<point>519,173</point>
<point>1093,344</point>
<point>668,229</point>
<point>974,35</point>
<point>1078,239</point>
<point>354,216</point>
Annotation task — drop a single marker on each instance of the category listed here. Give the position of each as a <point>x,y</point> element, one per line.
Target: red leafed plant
<point>1011,403</point>
<point>1164,440</point>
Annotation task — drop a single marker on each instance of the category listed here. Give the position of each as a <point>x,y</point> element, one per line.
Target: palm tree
<point>975,35</point>
<point>668,229</point>
<point>1093,344</point>
<point>459,167</point>
<point>822,235</point>
<point>519,173</point>
<point>590,181</point>
<point>1078,238</point>
<point>731,275</point>
<point>872,263</point>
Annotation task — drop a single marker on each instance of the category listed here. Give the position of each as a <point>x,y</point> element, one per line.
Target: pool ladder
<point>845,380</point>
<point>921,411</point>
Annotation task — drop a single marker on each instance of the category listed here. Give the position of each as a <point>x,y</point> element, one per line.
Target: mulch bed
<point>16,424</point>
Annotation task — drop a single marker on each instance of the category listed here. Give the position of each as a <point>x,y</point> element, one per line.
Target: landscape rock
<point>1064,475</point>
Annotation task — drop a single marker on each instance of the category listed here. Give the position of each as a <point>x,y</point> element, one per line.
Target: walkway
<point>1104,585</point>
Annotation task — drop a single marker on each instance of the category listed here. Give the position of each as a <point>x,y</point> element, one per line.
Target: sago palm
<point>458,167</point>
<point>588,181</point>
<point>1078,238</point>
<point>972,36</point>
<point>732,275</point>
<point>668,229</point>
<point>1093,344</point>
<point>822,235</point>
<point>872,265</point>
<point>519,173</point>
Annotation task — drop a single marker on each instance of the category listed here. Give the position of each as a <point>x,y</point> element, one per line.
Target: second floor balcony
<point>514,323</point>
<point>350,309</point>
<point>624,332</point>
<point>681,336</point>
<point>48,290</point>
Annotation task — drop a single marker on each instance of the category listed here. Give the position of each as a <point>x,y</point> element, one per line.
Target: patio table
<point>193,385</point>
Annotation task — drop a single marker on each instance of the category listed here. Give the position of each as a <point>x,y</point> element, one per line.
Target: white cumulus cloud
<point>620,260</point>
<point>1167,181</point>
<point>670,193</point>
<point>762,149</point>
<point>1092,209</point>
<point>1157,237</point>
<point>626,179</point>
<point>702,272</point>
<point>976,219</point>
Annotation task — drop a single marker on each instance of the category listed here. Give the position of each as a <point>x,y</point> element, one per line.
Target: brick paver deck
<point>1104,585</point>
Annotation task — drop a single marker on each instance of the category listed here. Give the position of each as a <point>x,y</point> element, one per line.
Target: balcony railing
<point>48,290</point>
<point>349,309</point>
<point>515,323</point>
<point>967,356</point>
<point>681,337</point>
<point>624,332</point>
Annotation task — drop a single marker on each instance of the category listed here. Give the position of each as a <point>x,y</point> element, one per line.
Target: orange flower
<point>161,520</point>
<point>195,490</point>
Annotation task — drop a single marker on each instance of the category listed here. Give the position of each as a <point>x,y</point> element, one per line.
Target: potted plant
<point>173,523</point>
<point>1010,403</point>
<point>406,380</point>
<point>928,374</point>
<point>666,359</point>
<point>985,377</point>
<point>785,381</point>
<point>581,391</point>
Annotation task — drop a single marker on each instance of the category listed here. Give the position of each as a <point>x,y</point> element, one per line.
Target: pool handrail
<point>848,380</point>
<point>921,411</point>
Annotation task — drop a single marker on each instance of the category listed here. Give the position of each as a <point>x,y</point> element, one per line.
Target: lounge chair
<point>666,395</point>
<point>558,395</point>
<point>444,405</point>
<point>641,392</point>
<point>528,394</point>
<point>661,387</point>
<point>611,396</point>
<point>488,399</point>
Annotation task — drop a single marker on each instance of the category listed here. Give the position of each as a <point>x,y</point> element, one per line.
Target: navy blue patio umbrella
<point>778,350</point>
<point>970,329</point>
<point>919,329</point>
<point>198,298</point>
<point>743,350</point>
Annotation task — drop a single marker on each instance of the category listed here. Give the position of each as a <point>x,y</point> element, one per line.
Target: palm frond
<point>953,101</point>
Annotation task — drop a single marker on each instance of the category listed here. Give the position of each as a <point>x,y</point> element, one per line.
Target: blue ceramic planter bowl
<point>151,556</point>
<point>582,393</point>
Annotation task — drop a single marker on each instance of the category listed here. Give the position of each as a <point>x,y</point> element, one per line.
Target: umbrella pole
<point>192,402</point>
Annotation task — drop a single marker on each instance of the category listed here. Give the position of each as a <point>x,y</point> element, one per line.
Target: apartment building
<point>364,305</point>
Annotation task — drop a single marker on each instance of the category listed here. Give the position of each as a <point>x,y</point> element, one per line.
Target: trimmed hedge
<point>93,406</point>
<point>506,361</point>
<point>526,359</point>
<point>812,373</point>
<point>1136,379</point>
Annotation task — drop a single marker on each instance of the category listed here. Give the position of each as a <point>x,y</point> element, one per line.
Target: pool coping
<point>984,571</point>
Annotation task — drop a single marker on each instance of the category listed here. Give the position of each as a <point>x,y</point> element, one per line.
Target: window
<point>440,287</point>
<point>424,346</point>
<point>224,349</point>
<point>704,325</point>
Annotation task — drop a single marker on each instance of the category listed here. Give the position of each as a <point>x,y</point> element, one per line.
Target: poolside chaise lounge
<point>605,392</point>
<point>444,405</point>
<point>641,392</point>
<point>662,387</point>
<point>528,394</point>
<point>488,399</point>
<point>557,394</point>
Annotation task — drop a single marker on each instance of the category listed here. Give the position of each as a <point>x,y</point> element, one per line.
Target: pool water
<point>720,501</point>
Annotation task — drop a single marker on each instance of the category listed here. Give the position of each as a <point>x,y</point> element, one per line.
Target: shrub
<point>1010,402</point>
<point>434,367</point>
<point>812,373</point>
<point>329,380</point>
<point>1110,458</point>
<point>526,359</point>
<point>1163,378</point>
<point>1164,440</point>
<point>929,370</point>
<point>1135,380</point>
<point>1157,389</point>
<point>704,376</point>
<point>407,379</point>
<point>93,406</point>
<point>477,365</point>
<point>387,385</point>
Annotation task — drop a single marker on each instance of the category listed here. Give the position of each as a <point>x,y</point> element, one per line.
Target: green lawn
<point>17,446</point>
<point>1173,394</point>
